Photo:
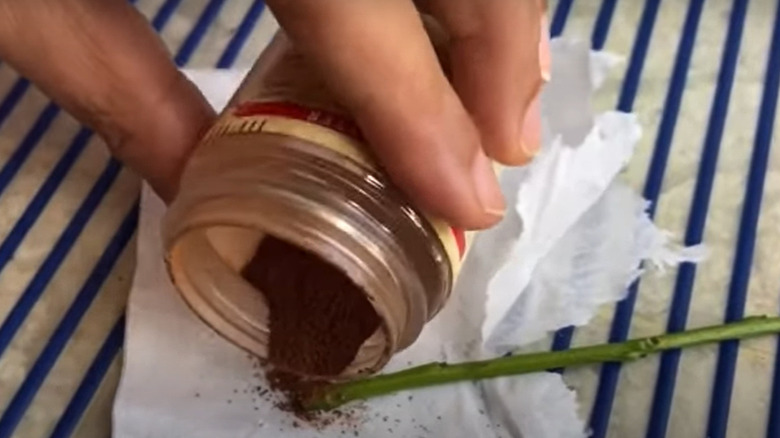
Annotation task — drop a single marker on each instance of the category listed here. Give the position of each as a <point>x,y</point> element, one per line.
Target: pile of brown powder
<point>318,317</point>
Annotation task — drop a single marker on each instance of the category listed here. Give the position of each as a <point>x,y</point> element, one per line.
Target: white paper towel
<point>583,236</point>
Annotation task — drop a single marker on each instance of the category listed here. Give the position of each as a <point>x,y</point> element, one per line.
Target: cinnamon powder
<point>318,317</point>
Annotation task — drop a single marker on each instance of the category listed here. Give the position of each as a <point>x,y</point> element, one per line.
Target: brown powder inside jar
<point>318,317</point>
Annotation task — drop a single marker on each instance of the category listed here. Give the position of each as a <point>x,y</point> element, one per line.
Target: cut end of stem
<point>325,398</point>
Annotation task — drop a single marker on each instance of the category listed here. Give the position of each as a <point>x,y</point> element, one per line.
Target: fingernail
<point>486,185</point>
<point>530,150</point>
<point>530,130</point>
<point>544,50</point>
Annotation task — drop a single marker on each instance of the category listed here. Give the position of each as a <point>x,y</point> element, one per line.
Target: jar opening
<point>315,199</point>
<point>288,304</point>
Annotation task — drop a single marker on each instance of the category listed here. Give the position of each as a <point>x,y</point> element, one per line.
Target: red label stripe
<point>329,119</point>
<point>460,240</point>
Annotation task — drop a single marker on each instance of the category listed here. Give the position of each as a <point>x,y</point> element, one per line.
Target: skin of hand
<point>101,61</point>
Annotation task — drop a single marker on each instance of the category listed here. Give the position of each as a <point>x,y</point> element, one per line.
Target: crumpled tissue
<point>573,241</point>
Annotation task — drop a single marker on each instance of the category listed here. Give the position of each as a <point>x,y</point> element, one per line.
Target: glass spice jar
<point>284,159</point>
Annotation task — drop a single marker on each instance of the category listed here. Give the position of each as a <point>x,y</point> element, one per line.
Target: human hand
<point>434,138</point>
<point>100,60</point>
<point>103,62</point>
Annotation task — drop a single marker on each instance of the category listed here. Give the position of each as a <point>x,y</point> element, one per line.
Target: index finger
<point>498,62</point>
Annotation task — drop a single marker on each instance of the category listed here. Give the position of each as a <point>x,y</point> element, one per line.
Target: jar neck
<point>333,207</point>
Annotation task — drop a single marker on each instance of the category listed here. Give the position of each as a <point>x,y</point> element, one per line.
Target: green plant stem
<point>439,373</point>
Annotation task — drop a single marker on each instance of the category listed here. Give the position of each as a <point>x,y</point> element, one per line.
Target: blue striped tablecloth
<point>703,78</point>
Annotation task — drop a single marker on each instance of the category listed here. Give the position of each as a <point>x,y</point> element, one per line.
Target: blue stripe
<point>164,14</point>
<point>601,28</point>
<point>92,379</point>
<point>678,315</point>
<point>39,128</point>
<point>207,17</point>
<point>746,239</point>
<point>61,248</point>
<point>559,18</point>
<point>608,378</point>
<point>24,396</point>
<point>563,337</point>
<point>638,55</point>
<point>42,197</point>
<point>12,98</point>
<point>240,36</point>
<point>562,341</point>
